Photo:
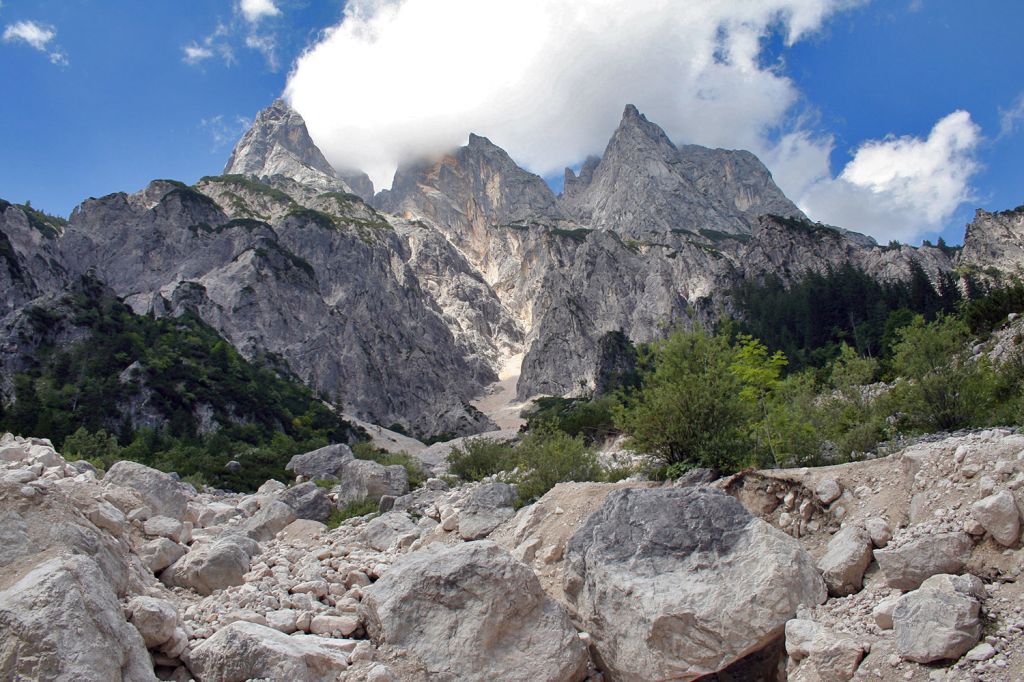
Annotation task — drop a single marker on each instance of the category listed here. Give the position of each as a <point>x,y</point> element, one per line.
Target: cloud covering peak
<point>546,80</point>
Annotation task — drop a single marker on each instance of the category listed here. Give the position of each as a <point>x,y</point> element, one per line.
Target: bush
<point>547,456</point>
<point>479,458</point>
<point>351,510</point>
<point>591,419</point>
<point>689,407</point>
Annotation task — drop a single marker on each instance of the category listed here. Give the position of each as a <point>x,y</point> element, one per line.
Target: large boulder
<point>910,564</point>
<point>269,520</point>
<point>381,532</point>
<point>822,654</point>
<point>161,492</point>
<point>680,583</point>
<point>847,557</point>
<point>488,507</point>
<point>999,516</point>
<point>472,612</point>
<point>244,651</point>
<point>308,501</point>
<point>158,554</point>
<point>940,619</point>
<point>61,620</point>
<point>212,566</point>
<point>325,463</point>
<point>362,479</point>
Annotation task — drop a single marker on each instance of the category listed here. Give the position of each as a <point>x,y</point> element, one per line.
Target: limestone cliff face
<point>995,240</point>
<point>405,308</point>
<point>279,144</point>
<point>328,293</point>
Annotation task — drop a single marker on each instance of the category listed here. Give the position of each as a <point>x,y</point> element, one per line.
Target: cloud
<point>900,187</point>
<point>225,131</point>
<point>227,35</point>
<point>38,36</point>
<point>546,80</point>
<point>215,44</point>
<point>255,10</point>
<point>1011,119</point>
<point>31,33</point>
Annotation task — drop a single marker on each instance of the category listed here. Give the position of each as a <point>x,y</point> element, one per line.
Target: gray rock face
<point>381,532</point>
<point>329,292</point>
<point>695,582</point>
<point>160,492</point>
<point>940,619</point>
<point>995,240</point>
<point>245,651</point>
<point>999,515</point>
<point>472,612</point>
<point>279,144</point>
<point>907,566</point>
<point>320,464</point>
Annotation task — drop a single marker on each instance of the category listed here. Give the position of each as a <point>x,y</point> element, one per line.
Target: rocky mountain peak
<point>644,186</point>
<point>279,144</point>
<point>995,240</point>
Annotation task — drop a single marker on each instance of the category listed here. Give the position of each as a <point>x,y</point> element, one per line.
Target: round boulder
<point>680,583</point>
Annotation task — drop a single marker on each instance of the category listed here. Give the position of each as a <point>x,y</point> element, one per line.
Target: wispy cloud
<point>242,30</point>
<point>224,130</point>
<point>37,36</point>
<point>215,44</point>
<point>1012,117</point>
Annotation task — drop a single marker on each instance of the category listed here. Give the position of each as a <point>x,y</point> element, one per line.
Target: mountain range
<point>405,305</point>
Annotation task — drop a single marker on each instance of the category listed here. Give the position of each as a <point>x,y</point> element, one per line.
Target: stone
<point>106,516</point>
<point>939,620</point>
<point>328,625</point>
<point>380,673</point>
<point>981,652</point>
<point>907,566</point>
<point>158,554</point>
<point>474,613</point>
<point>244,651</point>
<point>365,480</point>
<point>271,519</point>
<point>695,581</point>
<point>882,613</point>
<point>161,492</point>
<point>164,527</point>
<point>325,463</point>
<point>847,557</point>
<point>828,490</point>
<point>212,566</point>
<point>308,501</point>
<point>381,532</point>
<point>488,507</point>
<point>215,514</point>
<point>283,620</point>
<point>155,619</point>
<point>999,516</point>
<point>61,620</point>
<point>833,656</point>
<point>879,530</point>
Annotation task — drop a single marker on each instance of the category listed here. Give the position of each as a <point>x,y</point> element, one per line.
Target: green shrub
<point>547,456</point>
<point>478,458</point>
<point>350,511</point>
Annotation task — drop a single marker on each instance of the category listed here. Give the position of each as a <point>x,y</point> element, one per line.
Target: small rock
<point>828,490</point>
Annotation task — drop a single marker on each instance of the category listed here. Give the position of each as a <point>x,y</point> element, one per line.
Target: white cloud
<point>31,33</point>
<point>255,10</point>
<point>38,36</point>
<point>195,53</point>
<point>900,187</point>
<point>1010,119</point>
<point>215,44</point>
<point>546,79</point>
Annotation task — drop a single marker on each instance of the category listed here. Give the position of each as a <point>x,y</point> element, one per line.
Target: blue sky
<point>101,95</point>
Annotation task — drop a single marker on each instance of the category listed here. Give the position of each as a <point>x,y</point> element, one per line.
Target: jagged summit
<point>644,184</point>
<point>279,144</point>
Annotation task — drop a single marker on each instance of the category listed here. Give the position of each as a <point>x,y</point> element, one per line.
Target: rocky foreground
<point>900,568</point>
